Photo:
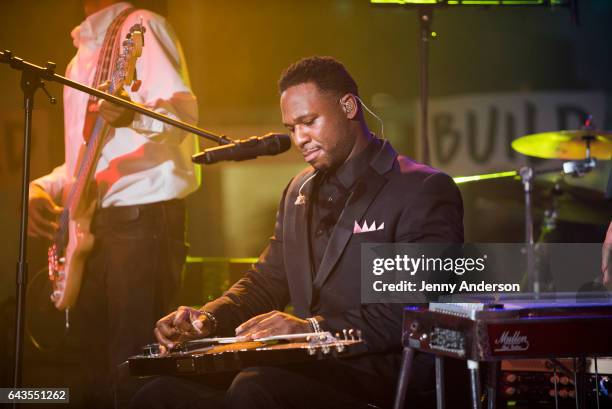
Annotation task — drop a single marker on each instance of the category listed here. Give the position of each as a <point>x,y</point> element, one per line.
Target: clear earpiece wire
<point>382,125</point>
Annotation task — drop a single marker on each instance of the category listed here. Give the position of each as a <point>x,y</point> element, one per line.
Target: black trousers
<point>129,282</point>
<point>316,385</point>
<point>319,385</point>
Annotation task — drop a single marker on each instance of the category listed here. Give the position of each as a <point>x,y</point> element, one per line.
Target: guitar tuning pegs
<point>344,333</point>
<point>358,335</point>
<point>138,27</point>
<point>352,334</point>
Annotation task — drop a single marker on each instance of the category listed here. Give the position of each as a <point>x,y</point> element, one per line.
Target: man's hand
<point>605,258</point>
<point>115,115</point>
<point>42,213</point>
<point>272,323</point>
<point>184,324</point>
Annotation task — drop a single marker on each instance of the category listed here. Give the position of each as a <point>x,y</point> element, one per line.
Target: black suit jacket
<point>416,203</point>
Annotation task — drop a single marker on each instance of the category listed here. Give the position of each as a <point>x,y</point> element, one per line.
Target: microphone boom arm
<point>48,73</point>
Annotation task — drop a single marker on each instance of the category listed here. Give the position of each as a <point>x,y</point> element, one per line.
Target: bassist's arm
<point>53,183</point>
<point>45,193</point>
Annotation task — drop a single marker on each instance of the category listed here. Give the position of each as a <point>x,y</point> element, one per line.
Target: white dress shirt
<point>149,161</point>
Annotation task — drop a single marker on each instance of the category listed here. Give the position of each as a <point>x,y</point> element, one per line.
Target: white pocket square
<point>365,228</point>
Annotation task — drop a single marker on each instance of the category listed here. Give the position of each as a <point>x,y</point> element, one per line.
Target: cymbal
<point>570,145</point>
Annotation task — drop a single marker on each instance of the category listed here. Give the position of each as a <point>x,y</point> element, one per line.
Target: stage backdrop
<point>511,59</point>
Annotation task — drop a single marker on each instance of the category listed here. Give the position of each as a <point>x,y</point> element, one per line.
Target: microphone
<point>244,149</point>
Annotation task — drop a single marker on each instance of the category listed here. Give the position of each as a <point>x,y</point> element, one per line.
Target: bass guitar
<point>74,240</point>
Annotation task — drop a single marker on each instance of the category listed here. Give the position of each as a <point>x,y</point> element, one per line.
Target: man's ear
<point>349,105</point>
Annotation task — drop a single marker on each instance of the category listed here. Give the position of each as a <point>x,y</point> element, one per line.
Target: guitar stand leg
<point>440,404</point>
<point>493,369</point>
<point>556,384</point>
<point>474,383</point>
<point>596,380</point>
<point>581,385</point>
<point>404,377</point>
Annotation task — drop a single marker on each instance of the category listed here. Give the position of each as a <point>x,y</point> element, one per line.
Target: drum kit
<point>575,156</point>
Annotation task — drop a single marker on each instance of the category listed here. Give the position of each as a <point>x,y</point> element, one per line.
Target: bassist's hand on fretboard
<point>115,115</point>
<point>43,212</point>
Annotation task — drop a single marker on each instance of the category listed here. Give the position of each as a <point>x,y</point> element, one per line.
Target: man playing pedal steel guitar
<point>143,173</point>
<point>313,259</point>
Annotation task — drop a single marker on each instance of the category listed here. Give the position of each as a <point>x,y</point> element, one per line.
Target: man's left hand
<point>272,323</point>
<point>115,115</point>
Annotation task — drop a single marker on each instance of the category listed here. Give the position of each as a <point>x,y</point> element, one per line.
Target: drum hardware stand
<point>31,79</point>
<point>579,168</point>
<point>547,226</point>
<point>549,222</point>
<point>526,173</point>
<point>576,168</point>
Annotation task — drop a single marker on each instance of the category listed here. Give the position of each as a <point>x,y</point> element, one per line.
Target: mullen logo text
<point>514,342</point>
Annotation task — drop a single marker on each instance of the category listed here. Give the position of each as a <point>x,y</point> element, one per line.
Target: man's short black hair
<point>327,73</point>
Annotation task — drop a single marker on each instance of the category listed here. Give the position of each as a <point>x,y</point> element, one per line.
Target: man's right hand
<point>42,213</point>
<point>184,324</point>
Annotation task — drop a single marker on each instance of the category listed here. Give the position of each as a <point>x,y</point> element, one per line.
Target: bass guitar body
<point>66,272</point>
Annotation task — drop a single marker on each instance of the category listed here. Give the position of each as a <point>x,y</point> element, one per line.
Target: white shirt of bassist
<point>149,161</point>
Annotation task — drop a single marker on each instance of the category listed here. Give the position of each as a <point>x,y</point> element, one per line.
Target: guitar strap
<point>108,56</point>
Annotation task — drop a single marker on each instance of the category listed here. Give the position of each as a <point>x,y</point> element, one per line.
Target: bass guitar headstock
<point>125,66</point>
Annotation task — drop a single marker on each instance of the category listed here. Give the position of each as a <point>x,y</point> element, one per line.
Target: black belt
<point>124,214</point>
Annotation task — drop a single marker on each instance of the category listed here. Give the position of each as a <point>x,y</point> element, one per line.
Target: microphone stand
<point>425,17</point>
<point>32,77</point>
